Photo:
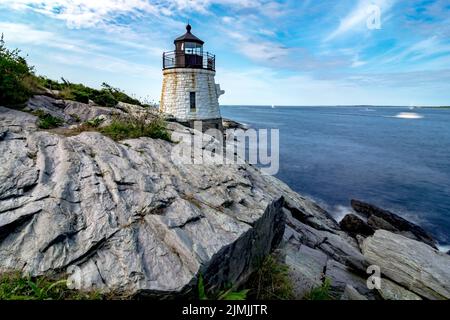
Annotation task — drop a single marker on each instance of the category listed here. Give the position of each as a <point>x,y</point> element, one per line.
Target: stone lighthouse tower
<point>189,92</point>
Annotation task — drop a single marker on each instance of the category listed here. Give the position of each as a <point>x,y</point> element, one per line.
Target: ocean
<point>392,157</point>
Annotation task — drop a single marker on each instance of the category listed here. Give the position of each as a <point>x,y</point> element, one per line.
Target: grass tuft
<point>15,287</point>
<point>320,293</point>
<point>47,121</point>
<point>271,281</point>
<point>129,128</point>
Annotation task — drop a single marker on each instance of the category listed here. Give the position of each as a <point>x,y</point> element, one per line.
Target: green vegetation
<point>17,81</point>
<point>47,121</point>
<point>107,96</point>
<point>271,281</point>
<point>129,128</point>
<point>16,287</point>
<point>228,294</point>
<point>320,293</point>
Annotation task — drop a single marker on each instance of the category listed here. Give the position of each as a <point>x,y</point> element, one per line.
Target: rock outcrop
<point>125,217</point>
<point>382,219</point>
<point>410,263</point>
<point>355,225</point>
<point>122,217</point>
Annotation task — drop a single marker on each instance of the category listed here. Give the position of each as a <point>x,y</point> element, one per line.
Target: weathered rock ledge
<point>125,218</point>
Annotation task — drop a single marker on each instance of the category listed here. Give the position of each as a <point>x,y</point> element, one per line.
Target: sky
<point>287,52</point>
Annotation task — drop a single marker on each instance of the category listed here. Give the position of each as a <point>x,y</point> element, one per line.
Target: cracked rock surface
<point>122,217</point>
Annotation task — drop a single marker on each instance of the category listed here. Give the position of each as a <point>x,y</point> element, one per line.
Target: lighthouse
<point>189,92</point>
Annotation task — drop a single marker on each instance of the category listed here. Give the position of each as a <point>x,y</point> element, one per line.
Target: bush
<point>271,281</point>
<point>103,98</point>
<point>320,293</point>
<point>47,121</point>
<point>81,97</point>
<point>129,128</point>
<point>227,294</point>
<point>16,77</point>
<point>15,287</point>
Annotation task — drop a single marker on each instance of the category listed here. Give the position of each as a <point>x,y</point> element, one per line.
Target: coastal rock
<point>351,293</point>
<point>393,221</point>
<point>82,112</point>
<point>355,226</point>
<point>124,217</point>
<point>379,223</point>
<point>410,263</point>
<point>306,267</point>
<point>336,246</point>
<point>391,291</point>
<point>231,124</point>
<point>341,276</point>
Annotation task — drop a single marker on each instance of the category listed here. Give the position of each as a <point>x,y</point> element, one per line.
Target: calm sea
<point>400,162</point>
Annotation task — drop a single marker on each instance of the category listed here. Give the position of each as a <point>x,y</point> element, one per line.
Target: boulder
<point>410,263</point>
<point>306,268</point>
<point>351,293</point>
<point>355,226</point>
<point>391,221</point>
<point>341,276</point>
<point>338,246</point>
<point>392,291</point>
<point>125,217</point>
<point>379,223</point>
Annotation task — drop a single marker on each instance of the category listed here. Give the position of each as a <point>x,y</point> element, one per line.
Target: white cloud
<point>89,13</point>
<point>358,17</point>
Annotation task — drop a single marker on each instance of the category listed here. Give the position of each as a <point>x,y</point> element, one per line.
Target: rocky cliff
<point>123,217</point>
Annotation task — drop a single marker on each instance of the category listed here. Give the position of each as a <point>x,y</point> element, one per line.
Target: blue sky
<point>289,52</point>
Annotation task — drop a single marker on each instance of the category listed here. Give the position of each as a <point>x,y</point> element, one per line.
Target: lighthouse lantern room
<point>189,92</point>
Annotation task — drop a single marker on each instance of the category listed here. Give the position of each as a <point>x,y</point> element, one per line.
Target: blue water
<point>334,154</point>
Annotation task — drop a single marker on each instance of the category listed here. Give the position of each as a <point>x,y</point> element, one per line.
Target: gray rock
<point>82,112</point>
<point>355,226</point>
<point>306,268</point>
<point>125,217</point>
<point>394,221</point>
<point>391,291</point>
<point>337,246</point>
<point>410,263</point>
<point>342,276</point>
<point>351,293</point>
<point>379,223</point>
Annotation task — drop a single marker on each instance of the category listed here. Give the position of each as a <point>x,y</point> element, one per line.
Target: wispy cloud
<point>358,16</point>
<point>267,50</point>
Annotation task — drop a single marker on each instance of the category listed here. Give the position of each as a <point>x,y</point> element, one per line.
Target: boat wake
<point>408,115</point>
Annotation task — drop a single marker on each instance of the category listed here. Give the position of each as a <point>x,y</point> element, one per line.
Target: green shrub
<point>103,98</point>
<point>47,121</point>
<point>228,294</point>
<point>94,123</point>
<point>81,96</point>
<point>271,281</point>
<point>128,128</point>
<point>50,84</point>
<point>16,77</point>
<point>16,287</point>
<point>119,95</point>
<point>320,293</point>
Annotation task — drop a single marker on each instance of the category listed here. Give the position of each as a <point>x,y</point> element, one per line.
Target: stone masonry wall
<point>177,85</point>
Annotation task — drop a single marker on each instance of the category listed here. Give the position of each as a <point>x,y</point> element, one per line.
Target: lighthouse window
<point>192,101</point>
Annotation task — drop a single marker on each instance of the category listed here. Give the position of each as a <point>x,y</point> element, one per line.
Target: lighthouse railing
<point>180,59</point>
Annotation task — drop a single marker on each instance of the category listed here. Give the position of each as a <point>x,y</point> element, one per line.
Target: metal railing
<point>180,59</point>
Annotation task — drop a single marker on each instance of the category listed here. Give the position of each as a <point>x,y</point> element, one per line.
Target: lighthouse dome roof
<point>188,37</point>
